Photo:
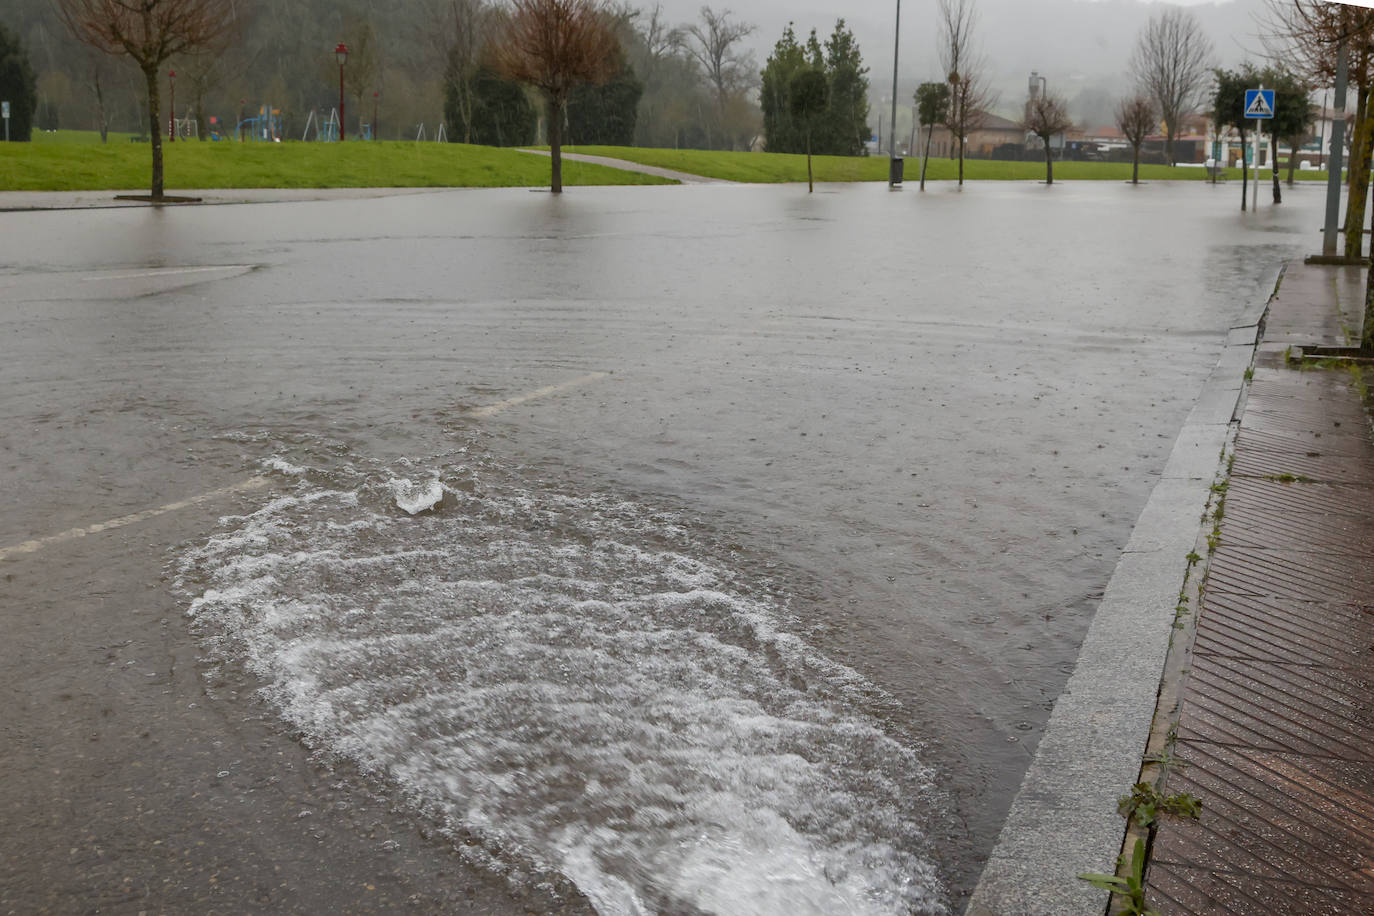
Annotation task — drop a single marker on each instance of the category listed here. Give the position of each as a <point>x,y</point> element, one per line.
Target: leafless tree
<point>364,66</point>
<point>456,35</point>
<point>556,45</point>
<point>964,69</point>
<point>1136,117</point>
<point>1171,64</point>
<point>714,44</point>
<point>658,44</point>
<point>150,32</point>
<point>1047,116</point>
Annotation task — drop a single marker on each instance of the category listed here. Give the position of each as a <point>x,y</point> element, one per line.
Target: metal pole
<point>1254,195</point>
<point>172,79</point>
<point>892,128</point>
<point>1321,143</point>
<point>1336,160</point>
<point>341,103</point>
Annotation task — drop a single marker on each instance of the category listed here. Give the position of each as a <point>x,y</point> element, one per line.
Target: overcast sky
<point>1082,46</point>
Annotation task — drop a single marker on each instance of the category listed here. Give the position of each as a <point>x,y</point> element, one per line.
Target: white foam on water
<point>563,677</point>
<point>415,497</point>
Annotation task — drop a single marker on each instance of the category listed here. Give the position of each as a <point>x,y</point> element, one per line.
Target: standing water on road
<point>572,681</point>
<point>781,522</point>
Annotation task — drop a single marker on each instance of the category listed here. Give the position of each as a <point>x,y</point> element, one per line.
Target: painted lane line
<point>252,483</point>
<point>167,273</point>
<point>493,409</point>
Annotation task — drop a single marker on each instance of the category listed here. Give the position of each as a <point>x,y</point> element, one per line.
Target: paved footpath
<point>1276,729</point>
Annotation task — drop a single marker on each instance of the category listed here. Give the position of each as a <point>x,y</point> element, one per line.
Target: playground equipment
<point>184,128</point>
<point>266,126</point>
<point>441,136</point>
<point>326,129</point>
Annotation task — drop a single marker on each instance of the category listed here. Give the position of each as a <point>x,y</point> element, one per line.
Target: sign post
<point>1259,105</point>
<point>1335,161</point>
<point>5,112</point>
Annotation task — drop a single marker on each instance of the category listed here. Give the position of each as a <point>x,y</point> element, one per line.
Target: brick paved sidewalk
<point>1276,730</point>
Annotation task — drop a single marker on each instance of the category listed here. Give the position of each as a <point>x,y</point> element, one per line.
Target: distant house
<point>980,143</point>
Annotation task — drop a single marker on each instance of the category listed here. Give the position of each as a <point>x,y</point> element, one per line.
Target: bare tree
<point>1047,116</point>
<point>150,31</point>
<point>714,46</point>
<point>1171,64</point>
<point>1136,117</point>
<point>556,45</point>
<point>456,34</point>
<point>363,69</point>
<point>964,68</point>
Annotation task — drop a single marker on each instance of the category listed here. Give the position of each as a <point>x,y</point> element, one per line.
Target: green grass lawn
<point>776,167</point>
<point>77,161</point>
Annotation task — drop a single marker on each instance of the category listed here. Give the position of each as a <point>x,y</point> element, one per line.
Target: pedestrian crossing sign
<point>1259,103</point>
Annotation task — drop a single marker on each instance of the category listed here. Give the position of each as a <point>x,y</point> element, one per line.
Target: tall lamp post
<point>341,52</point>
<point>893,179</point>
<point>172,104</point>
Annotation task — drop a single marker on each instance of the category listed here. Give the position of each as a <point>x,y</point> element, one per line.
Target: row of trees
<point>832,120</point>
<point>697,81</point>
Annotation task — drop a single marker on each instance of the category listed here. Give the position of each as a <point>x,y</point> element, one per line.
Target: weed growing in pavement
<point>1285,477</point>
<point>1130,888</point>
<point>1146,803</point>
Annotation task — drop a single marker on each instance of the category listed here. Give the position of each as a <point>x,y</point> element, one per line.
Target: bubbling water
<point>573,678</point>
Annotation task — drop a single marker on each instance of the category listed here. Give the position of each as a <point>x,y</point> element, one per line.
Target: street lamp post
<point>341,52</point>
<point>172,104</point>
<point>892,178</point>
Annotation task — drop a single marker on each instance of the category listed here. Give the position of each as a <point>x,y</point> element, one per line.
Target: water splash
<point>569,678</point>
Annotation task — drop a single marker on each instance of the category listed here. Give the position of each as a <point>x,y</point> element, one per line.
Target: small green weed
<point>1285,477</point>
<point>1131,888</point>
<point>1146,803</point>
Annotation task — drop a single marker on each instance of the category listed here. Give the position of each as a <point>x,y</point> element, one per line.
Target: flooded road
<point>711,549</point>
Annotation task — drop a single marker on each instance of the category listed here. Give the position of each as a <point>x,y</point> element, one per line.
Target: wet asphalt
<point>929,421</point>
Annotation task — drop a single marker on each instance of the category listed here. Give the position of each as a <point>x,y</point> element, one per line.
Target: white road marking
<point>252,483</point>
<point>493,409</point>
<point>167,272</point>
<point>255,483</point>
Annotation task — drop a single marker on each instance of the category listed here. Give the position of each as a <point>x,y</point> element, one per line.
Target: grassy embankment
<point>776,167</point>
<point>77,161</point>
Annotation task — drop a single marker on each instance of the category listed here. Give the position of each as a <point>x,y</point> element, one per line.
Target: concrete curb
<point>1064,821</point>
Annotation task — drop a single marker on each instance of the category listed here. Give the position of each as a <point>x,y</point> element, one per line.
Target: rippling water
<point>588,686</point>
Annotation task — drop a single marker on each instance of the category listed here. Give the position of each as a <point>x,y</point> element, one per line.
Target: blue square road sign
<point>1259,103</point>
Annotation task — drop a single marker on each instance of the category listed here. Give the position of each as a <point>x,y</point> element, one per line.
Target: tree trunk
<point>1293,144</point>
<point>155,121</point>
<point>100,106</point>
<point>1049,162</point>
<point>1274,155</point>
<point>961,158</point>
<point>1169,143</point>
<point>1135,165</point>
<point>556,143</point>
<point>1359,179</point>
<point>810,184</point>
<point>1244,173</point>
<point>930,132</point>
